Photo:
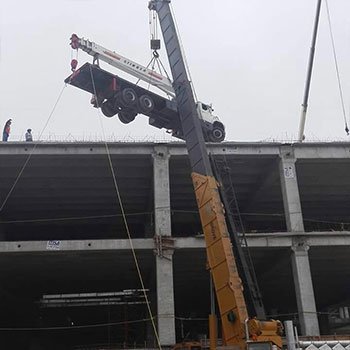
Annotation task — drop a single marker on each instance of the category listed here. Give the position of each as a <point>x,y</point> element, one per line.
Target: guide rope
<point>120,202</point>
<point>32,151</point>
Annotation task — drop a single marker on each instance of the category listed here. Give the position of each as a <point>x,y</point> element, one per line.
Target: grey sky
<point>247,57</point>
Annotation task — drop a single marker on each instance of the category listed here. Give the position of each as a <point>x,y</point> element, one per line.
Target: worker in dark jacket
<point>29,136</point>
<point>6,132</point>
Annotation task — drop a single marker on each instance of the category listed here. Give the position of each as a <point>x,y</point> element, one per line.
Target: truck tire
<point>127,117</point>
<point>108,110</point>
<point>217,134</point>
<point>128,97</point>
<point>146,104</point>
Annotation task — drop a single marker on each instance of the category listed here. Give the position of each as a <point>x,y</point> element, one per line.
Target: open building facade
<point>71,275</point>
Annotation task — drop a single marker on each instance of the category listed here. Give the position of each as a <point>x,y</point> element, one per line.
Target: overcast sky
<point>247,57</point>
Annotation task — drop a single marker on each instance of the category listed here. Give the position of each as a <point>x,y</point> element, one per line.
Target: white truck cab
<point>216,130</point>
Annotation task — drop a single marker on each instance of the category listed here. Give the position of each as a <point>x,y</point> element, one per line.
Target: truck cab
<point>215,129</point>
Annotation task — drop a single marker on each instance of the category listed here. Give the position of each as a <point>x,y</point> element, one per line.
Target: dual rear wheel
<point>127,105</point>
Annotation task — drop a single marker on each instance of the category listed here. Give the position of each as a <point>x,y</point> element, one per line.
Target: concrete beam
<point>324,150</point>
<point>76,148</point>
<point>255,240</point>
<point>286,239</point>
<point>232,148</point>
<point>74,245</point>
<point>334,150</point>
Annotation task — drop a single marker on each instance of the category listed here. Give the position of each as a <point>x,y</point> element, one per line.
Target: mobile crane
<point>118,96</point>
<point>227,270</point>
<point>242,314</point>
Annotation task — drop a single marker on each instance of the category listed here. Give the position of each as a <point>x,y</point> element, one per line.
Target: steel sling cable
<point>124,215</point>
<point>337,69</point>
<point>32,151</point>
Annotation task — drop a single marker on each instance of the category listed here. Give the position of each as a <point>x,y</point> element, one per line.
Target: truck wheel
<point>217,134</point>
<point>108,110</point>
<point>146,104</point>
<point>128,97</point>
<point>127,117</point>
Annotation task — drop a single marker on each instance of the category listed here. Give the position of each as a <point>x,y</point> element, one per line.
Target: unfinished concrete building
<point>68,273</point>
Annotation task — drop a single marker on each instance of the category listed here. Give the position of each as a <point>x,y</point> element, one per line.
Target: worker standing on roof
<point>6,132</point>
<point>29,136</point>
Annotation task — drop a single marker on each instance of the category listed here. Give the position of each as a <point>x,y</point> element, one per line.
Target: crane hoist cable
<point>337,69</point>
<point>153,24</point>
<point>125,221</point>
<point>74,59</point>
<point>155,46</point>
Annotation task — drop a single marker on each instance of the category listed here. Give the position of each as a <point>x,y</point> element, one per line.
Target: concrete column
<point>290,336</point>
<point>300,258</point>
<point>161,180</point>
<point>164,256</point>
<point>290,192</point>
<point>304,290</point>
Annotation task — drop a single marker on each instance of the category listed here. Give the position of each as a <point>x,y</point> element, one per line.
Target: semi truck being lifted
<point>242,316</point>
<point>118,96</point>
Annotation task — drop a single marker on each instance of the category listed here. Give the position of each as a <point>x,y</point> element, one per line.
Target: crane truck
<point>115,95</point>
<point>243,320</point>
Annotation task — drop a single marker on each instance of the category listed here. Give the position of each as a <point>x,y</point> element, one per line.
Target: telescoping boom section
<point>125,64</point>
